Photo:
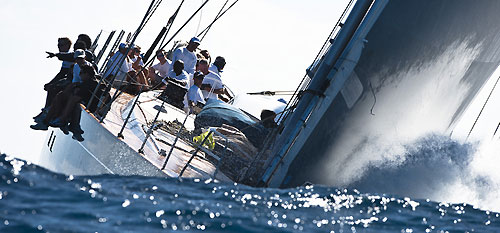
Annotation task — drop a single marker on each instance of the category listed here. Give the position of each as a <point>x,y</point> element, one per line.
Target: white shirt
<point>194,94</point>
<point>181,77</point>
<point>141,63</point>
<point>114,68</point>
<point>163,69</point>
<point>76,72</point>
<point>214,69</point>
<point>215,81</point>
<point>189,59</point>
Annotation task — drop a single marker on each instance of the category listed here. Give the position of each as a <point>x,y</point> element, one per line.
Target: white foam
<point>409,107</point>
<point>407,151</point>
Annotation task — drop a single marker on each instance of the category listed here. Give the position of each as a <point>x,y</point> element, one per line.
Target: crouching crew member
<point>66,104</point>
<point>160,70</point>
<point>60,81</point>
<point>212,86</point>
<point>178,74</point>
<point>193,101</point>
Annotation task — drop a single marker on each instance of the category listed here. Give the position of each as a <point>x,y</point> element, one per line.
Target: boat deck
<point>137,127</point>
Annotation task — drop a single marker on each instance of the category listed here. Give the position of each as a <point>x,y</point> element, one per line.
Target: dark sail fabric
<point>420,65</point>
<point>215,113</point>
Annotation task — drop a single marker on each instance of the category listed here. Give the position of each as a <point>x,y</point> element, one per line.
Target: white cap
<point>79,53</point>
<point>195,40</point>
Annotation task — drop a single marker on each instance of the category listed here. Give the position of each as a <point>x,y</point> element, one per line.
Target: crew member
<point>194,97</point>
<point>187,55</point>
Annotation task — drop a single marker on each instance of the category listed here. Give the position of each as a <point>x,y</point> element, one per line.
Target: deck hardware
<point>120,134</point>
<point>175,141</point>
<point>194,153</point>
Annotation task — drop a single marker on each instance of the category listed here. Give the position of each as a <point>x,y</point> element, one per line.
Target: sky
<point>267,46</point>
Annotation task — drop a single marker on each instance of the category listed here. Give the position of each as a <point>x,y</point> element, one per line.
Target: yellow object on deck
<point>209,143</point>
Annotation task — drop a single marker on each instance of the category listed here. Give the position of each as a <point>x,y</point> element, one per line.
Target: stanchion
<point>175,141</point>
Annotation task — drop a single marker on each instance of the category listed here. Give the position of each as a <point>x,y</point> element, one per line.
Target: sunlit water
<point>33,199</point>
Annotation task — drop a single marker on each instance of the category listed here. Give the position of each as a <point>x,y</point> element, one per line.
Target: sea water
<point>33,199</point>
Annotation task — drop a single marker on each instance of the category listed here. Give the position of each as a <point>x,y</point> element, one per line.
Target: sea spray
<point>409,106</point>
<point>426,169</point>
<point>438,168</point>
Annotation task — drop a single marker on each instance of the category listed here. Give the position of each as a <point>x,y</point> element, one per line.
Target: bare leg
<point>142,78</point>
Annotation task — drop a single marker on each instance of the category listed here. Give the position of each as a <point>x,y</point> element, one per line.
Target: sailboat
<point>389,70</point>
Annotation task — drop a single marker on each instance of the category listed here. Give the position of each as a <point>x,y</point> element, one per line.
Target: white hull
<point>102,152</point>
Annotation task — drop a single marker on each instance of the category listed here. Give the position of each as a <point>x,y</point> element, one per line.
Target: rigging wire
<point>199,21</point>
<point>190,18</point>
<point>484,105</point>
<point>94,45</point>
<point>133,38</point>
<point>495,131</point>
<point>295,97</point>
<point>149,14</point>
<point>218,13</point>
<point>122,59</point>
<point>171,21</point>
<point>153,11</point>
<point>217,18</point>
<point>303,84</point>
<point>117,94</point>
<point>162,35</point>
<point>271,93</point>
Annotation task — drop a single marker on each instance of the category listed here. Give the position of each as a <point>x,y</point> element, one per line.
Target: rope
<point>143,113</point>
<point>97,110</point>
<point>152,8</point>
<point>113,47</point>
<point>374,100</point>
<point>94,45</point>
<point>484,105</point>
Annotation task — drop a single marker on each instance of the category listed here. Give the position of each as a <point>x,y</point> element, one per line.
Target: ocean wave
<point>433,167</point>
<point>33,199</point>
